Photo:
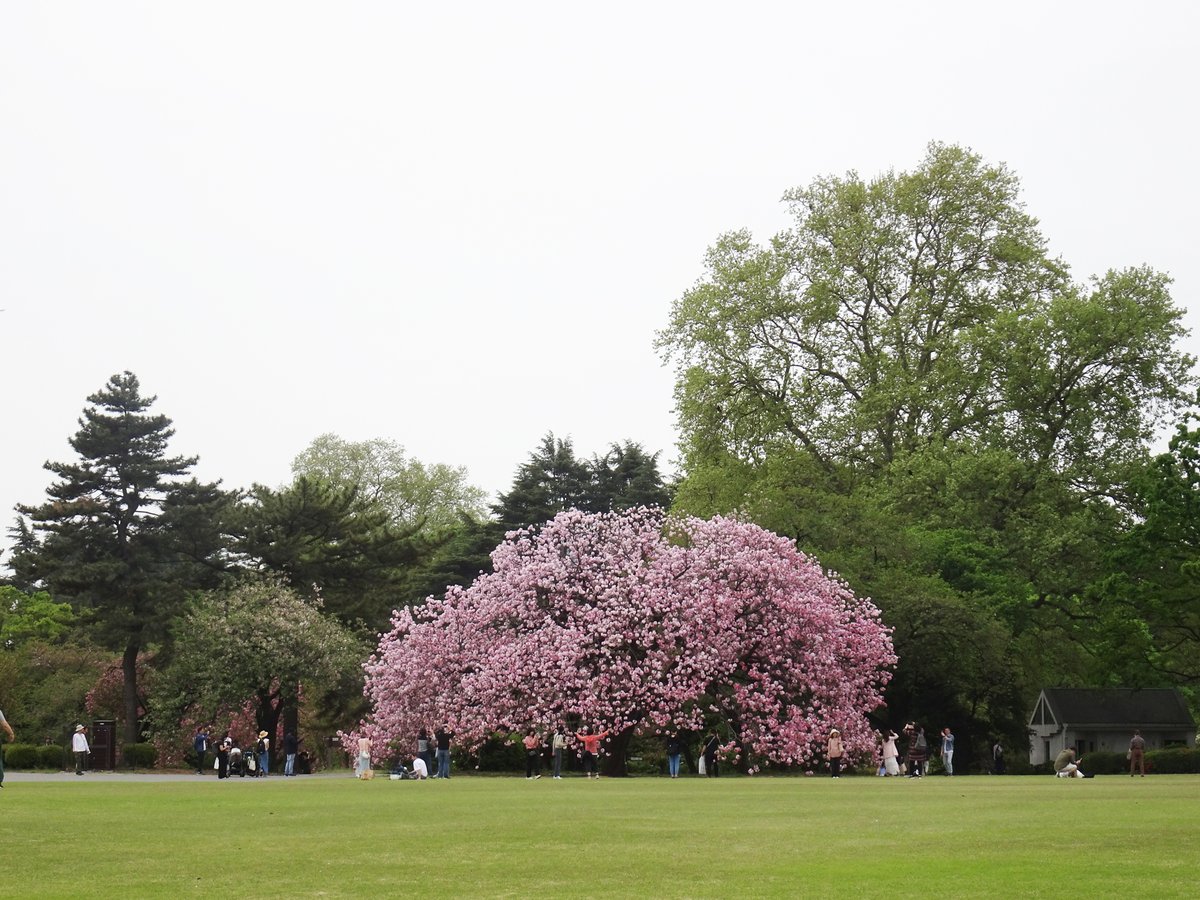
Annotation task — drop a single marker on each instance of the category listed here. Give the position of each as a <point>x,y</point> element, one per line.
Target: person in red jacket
<point>591,746</point>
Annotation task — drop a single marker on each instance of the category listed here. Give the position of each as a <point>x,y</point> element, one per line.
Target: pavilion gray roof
<point>1119,706</point>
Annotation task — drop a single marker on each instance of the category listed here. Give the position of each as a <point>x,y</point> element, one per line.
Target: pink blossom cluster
<point>637,621</point>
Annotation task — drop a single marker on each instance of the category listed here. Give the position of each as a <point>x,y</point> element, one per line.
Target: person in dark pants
<point>998,757</point>
<point>1137,754</point>
<point>79,746</point>
<point>442,737</point>
<point>533,756</point>
<point>835,750</point>
<point>223,756</point>
<point>423,749</point>
<point>711,744</point>
<point>200,745</point>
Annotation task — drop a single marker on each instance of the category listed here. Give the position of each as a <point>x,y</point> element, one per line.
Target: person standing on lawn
<point>200,745</point>
<point>263,747</point>
<point>948,751</point>
<point>291,744</point>
<point>11,737</point>
<point>223,756</point>
<point>1137,754</point>
<point>533,756</point>
<point>891,756</point>
<point>558,744</point>
<point>423,749</point>
<point>79,746</point>
<point>591,748</point>
<point>918,750</point>
<point>709,751</point>
<point>442,738</point>
<point>674,751</point>
<point>835,750</point>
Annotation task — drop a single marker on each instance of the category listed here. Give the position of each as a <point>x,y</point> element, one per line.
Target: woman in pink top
<point>591,746</point>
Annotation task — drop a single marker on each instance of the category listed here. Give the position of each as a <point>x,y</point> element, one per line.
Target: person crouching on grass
<point>1066,766</point>
<point>591,747</point>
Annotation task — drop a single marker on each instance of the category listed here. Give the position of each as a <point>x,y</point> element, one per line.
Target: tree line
<point>906,382</point>
<point>909,384</point>
<point>250,603</point>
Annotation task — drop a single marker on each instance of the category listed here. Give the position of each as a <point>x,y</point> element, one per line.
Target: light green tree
<point>425,498</point>
<point>916,310</point>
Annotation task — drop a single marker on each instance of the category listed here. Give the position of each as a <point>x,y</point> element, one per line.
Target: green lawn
<point>646,837</point>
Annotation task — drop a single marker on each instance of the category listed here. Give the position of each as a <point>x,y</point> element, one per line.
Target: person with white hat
<point>79,746</point>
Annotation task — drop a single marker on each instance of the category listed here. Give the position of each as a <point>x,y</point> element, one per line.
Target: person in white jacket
<point>79,746</point>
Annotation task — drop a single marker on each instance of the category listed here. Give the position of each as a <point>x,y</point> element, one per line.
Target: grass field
<point>646,837</point>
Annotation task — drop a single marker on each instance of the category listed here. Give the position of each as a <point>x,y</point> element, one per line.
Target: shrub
<point>501,753</point>
<point>1176,761</point>
<point>138,756</point>
<point>21,756</point>
<point>50,756</point>
<point>1103,762</point>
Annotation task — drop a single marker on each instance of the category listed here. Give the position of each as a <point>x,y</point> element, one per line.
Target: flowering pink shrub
<point>638,621</point>
<point>106,698</point>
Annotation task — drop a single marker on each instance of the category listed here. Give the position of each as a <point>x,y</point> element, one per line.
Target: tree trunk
<point>130,693</point>
<point>291,715</point>
<point>613,765</point>
<point>267,717</point>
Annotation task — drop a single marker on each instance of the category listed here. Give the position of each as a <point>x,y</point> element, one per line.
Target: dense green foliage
<point>138,756</point>
<point>418,497</point>
<point>104,540</point>
<point>912,387</point>
<point>328,535</point>
<point>259,641</point>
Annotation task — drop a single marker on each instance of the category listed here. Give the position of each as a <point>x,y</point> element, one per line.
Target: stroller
<point>237,763</point>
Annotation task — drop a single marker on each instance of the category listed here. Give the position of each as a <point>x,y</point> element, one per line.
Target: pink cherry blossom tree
<point>635,621</point>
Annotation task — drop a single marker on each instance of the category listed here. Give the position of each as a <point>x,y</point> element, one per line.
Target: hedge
<point>33,756</point>
<point>1176,761</point>
<point>50,756</point>
<point>138,756</point>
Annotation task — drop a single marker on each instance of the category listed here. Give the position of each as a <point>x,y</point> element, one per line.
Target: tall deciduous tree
<point>418,496</point>
<point>259,640</point>
<point>1150,602</point>
<point>626,621</point>
<point>908,383</point>
<point>102,540</point>
<point>915,310</point>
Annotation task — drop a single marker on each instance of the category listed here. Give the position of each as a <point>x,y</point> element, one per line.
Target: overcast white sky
<point>458,226</point>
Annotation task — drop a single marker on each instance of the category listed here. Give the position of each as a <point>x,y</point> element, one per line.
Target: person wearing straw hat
<point>79,746</point>
<point>835,751</point>
<point>264,753</point>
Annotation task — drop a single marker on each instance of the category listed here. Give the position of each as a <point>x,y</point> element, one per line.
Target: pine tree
<point>101,541</point>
